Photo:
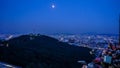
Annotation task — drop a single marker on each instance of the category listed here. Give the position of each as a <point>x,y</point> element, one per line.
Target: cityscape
<point>60,34</point>
<point>95,42</point>
<point>88,40</point>
<point>85,40</point>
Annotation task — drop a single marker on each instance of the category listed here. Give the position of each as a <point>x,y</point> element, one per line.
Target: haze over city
<point>59,16</point>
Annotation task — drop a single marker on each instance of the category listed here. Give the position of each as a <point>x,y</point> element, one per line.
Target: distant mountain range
<point>30,51</point>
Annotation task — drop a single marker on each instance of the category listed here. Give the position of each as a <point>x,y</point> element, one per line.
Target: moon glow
<point>53,6</point>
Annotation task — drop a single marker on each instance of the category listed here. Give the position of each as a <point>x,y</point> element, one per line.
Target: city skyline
<point>59,16</point>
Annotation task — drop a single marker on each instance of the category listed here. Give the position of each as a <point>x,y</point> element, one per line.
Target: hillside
<point>41,51</point>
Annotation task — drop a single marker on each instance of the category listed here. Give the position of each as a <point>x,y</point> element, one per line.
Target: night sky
<point>67,16</point>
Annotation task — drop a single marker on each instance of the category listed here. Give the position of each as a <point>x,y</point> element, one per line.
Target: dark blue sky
<point>68,16</point>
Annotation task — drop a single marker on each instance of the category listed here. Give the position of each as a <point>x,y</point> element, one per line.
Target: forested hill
<point>41,51</point>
